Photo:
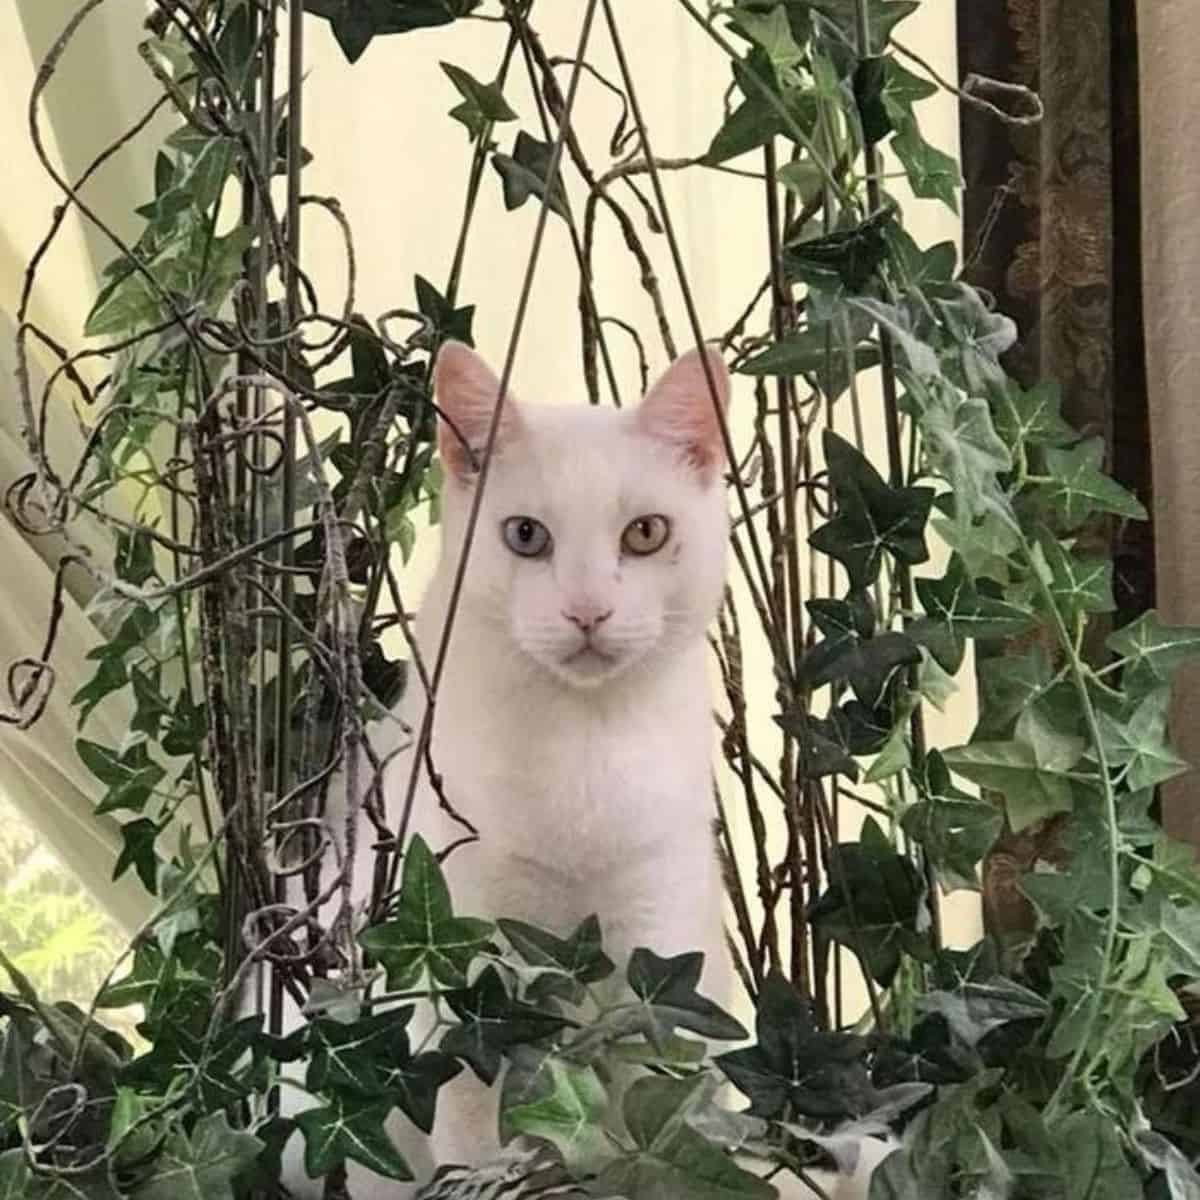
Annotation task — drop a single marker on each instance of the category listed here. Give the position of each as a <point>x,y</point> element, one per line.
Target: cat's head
<point>601,536</point>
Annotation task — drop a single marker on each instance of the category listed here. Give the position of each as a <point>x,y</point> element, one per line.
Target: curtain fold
<point>1169,51</point>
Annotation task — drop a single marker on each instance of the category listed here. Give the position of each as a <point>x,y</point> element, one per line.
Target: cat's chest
<point>527,771</point>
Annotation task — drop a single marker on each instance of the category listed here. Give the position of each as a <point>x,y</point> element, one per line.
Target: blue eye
<point>526,537</point>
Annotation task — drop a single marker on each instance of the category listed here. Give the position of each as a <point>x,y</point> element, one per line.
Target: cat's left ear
<point>679,408</point>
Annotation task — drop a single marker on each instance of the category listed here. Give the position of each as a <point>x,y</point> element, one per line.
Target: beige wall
<point>383,144</point>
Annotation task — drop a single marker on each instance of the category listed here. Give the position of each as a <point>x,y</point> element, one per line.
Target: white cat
<point>574,721</point>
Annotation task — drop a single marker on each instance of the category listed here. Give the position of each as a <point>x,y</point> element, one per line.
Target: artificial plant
<point>1064,1066</point>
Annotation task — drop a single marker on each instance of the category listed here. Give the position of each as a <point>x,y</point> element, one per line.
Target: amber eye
<point>646,535</point>
<point>526,537</point>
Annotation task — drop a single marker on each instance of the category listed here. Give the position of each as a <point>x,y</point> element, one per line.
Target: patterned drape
<point>1051,230</point>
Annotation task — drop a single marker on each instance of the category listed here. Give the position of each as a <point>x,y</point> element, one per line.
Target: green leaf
<point>975,1009</point>
<point>356,22</point>
<point>1153,652</point>
<point>350,1127</point>
<point>882,15</point>
<point>524,173</point>
<point>569,963</point>
<point>955,829</point>
<point>797,1068</point>
<point>569,1116</point>
<point>901,90</point>
<point>851,651</point>
<point>15,1179</point>
<point>1183,1181</point>
<point>871,516</point>
<point>1138,742</point>
<point>1080,488</point>
<point>772,33</point>
<point>750,126</point>
<point>874,904</point>
<point>932,174</point>
<point>823,744</point>
<point>812,352</point>
<point>964,449</point>
<point>415,1083</point>
<point>986,545</point>
<point>666,988</point>
<point>849,257</point>
<point>1008,685</point>
<point>980,336</point>
<point>138,852</point>
<point>1032,772</point>
<point>130,777</point>
<point>353,1057</point>
<point>483,103</point>
<point>111,676</point>
<point>424,934</point>
<point>956,612</point>
<point>1094,1166</point>
<point>933,682</point>
<point>492,1021</point>
<point>450,322</point>
<point>671,1158</point>
<point>921,358</point>
<point>203,1165</point>
<point>1033,417</point>
<point>1078,585</point>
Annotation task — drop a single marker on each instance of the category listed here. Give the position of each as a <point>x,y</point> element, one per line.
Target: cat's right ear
<point>467,392</point>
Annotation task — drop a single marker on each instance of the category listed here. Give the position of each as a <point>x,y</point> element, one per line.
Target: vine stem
<point>1079,676</point>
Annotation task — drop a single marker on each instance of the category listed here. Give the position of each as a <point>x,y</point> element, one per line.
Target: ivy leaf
<point>1183,1180</point>
<point>666,988</point>
<point>902,89</point>
<point>823,743</point>
<point>980,336</point>
<point>1084,885</point>
<point>956,612</point>
<point>1080,488</point>
<point>1094,1166</point>
<point>424,934</point>
<point>955,829</point>
<point>415,1083</point>
<point>874,904</point>
<point>849,257</point>
<point>869,663</point>
<point>753,123</point>
<point>1153,652</point>
<point>796,1067</point>
<point>1033,417</point>
<point>570,963</point>
<point>356,22</point>
<point>771,32</point>
<point>871,516</point>
<point>921,357</point>
<point>965,450</point>
<point>975,1009</point>
<point>483,103</point>
<point>1032,772</point>
<point>205,1164</point>
<point>109,677</point>
<point>130,777</point>
<point>812,352</point>
<point>883,15</point>
<point>350,1127</point>
<point>986,544</point>
<point>569,1116</point>
<point>138,852</point>
<point>524,173</point>
<point>351,1057</point>
<point>492,1021</point>
<point>1138,742</point>
<point>932,174</point>
<point>450,322</point>
<point>672,1159</point>
<point>1078,585</point>
<point>1008,685</point>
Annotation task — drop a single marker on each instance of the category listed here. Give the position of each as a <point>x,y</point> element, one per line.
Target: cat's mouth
<point>589,655</point>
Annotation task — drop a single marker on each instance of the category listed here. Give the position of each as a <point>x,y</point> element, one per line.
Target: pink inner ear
<point>467,390</point>
<point>679,408</point>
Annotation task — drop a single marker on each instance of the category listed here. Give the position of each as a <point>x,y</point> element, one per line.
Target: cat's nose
<point>585,617</point>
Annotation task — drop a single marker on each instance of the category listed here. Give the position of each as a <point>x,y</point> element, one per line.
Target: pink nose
<point>585,617</point>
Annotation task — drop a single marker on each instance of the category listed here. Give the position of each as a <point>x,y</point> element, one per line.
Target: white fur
<point>587,775</point>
